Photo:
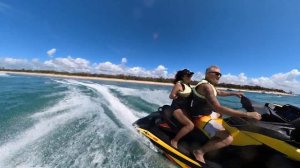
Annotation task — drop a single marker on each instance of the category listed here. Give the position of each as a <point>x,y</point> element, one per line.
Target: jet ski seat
<point>166,113</point>
<point>288,112</point>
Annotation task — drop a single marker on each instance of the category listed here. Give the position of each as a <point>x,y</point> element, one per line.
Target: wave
<point>122,113</point>
<point>73,100</point>
<point>121,148</point>
<point>77,131</point>
<point>4,75</point>
<point>158,97</point>
<point>45,125</point>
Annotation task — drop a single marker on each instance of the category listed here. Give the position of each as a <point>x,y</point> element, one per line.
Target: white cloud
<point>109,68</point>
<point>35,60</point>
<point>13,63</point>
<point>68,64</point>
<point>160,71</point>
<point>197,76</point>
<point>51,52</point>
<point>138,71</point>
<point>286,81</point>
<point>289,76</point>
<point>124,61</point>
<point>240,79</point>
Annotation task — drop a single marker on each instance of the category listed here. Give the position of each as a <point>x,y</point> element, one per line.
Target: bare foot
<point>199,155</point>
<point>174,143</point>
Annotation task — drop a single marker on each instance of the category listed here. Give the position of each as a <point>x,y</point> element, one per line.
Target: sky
<point>254,42</point>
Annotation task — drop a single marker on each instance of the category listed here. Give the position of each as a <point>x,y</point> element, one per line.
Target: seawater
<point>56,122</point>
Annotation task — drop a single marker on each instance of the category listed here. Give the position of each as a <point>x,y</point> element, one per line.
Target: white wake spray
<point>4,75</point>
<point>158,97</point>
<point>77,132</point>
<point>122,113</point>
<point>48,120</point>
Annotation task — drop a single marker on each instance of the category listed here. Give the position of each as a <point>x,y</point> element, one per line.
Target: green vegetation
<point>151,79</point>
<point>248,87</point>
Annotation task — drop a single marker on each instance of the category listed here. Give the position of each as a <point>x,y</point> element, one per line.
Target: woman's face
<point>187,78</point>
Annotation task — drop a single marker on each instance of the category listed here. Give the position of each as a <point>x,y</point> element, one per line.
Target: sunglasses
<point>189,75</point>
<point>216,73</point>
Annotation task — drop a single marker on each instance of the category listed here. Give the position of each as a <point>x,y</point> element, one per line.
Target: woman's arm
<point>177,87</point>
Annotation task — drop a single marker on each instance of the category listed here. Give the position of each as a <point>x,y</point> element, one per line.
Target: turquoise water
<point>55,122</point>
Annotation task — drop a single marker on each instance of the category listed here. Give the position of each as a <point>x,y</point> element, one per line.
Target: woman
<point>182,97</point>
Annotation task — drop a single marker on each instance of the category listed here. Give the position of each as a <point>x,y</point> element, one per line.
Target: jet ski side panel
<point>169,150</point>
<point>239,137</point>
<point>176,161</point>
<point>281,146</point>
<point>260,134</point>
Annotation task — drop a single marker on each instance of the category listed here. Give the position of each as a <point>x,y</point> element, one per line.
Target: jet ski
<point>273,141</point>
<point>273,112</point>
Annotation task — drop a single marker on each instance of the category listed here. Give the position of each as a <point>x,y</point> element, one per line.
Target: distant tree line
<point>248,87</point>
<point>151,79</point>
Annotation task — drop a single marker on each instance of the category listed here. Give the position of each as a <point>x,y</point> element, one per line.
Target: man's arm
<point>212,99</point>
<point>224,93</point>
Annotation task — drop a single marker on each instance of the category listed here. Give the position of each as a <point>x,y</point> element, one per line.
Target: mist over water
<point>49,122</point>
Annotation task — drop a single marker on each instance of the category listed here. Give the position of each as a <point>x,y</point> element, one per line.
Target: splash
<point>124,114</point>
<point>61,113</point>
<point>4,75</point>
<point>158,97</point>
<point>78,131</point>
<point>74,100</point>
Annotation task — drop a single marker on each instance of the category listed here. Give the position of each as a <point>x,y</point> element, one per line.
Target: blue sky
<point>252,39</point>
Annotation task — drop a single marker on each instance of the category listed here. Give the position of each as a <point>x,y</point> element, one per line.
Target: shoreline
<point>134,81</point>
<point>256,91</point>
<point>87,77</point>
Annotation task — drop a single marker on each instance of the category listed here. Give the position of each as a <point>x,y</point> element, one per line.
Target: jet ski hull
<point>247,144</point>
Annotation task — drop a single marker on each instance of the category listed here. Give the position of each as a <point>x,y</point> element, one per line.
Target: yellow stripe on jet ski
<point>181,164</point>
<point>281,146</point>
<point>240,138</point>
<point>168,147</point>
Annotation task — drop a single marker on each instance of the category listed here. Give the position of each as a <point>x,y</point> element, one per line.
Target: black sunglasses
<point>189,74</point>
<point>216,73</point>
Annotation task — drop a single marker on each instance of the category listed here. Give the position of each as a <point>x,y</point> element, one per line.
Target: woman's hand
<point>173,96</point>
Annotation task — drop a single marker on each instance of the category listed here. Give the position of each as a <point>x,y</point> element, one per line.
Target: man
<point>206,105</point>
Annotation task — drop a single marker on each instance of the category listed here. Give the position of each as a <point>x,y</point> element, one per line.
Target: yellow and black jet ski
<point>274,141</point>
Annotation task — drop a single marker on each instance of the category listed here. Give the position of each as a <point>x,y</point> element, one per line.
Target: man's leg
<point>220,140</point>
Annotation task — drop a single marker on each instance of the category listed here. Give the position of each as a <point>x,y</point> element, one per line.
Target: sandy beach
<point>133,81</point>
<point>87,77</point>
<point>256,91</point>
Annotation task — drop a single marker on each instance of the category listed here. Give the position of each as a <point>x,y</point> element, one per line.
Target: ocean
<point>57,122</point>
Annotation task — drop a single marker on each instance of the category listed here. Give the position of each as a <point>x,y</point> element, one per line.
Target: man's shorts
<point>210,125</point>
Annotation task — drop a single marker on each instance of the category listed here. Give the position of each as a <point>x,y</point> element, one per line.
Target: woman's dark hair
<point>180,74</point>
<point>178,77</point>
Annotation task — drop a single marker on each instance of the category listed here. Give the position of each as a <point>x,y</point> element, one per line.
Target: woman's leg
<point>188,126</point>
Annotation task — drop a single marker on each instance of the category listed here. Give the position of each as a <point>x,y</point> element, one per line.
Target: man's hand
<point>254,115</point>
<point>239,94</point>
